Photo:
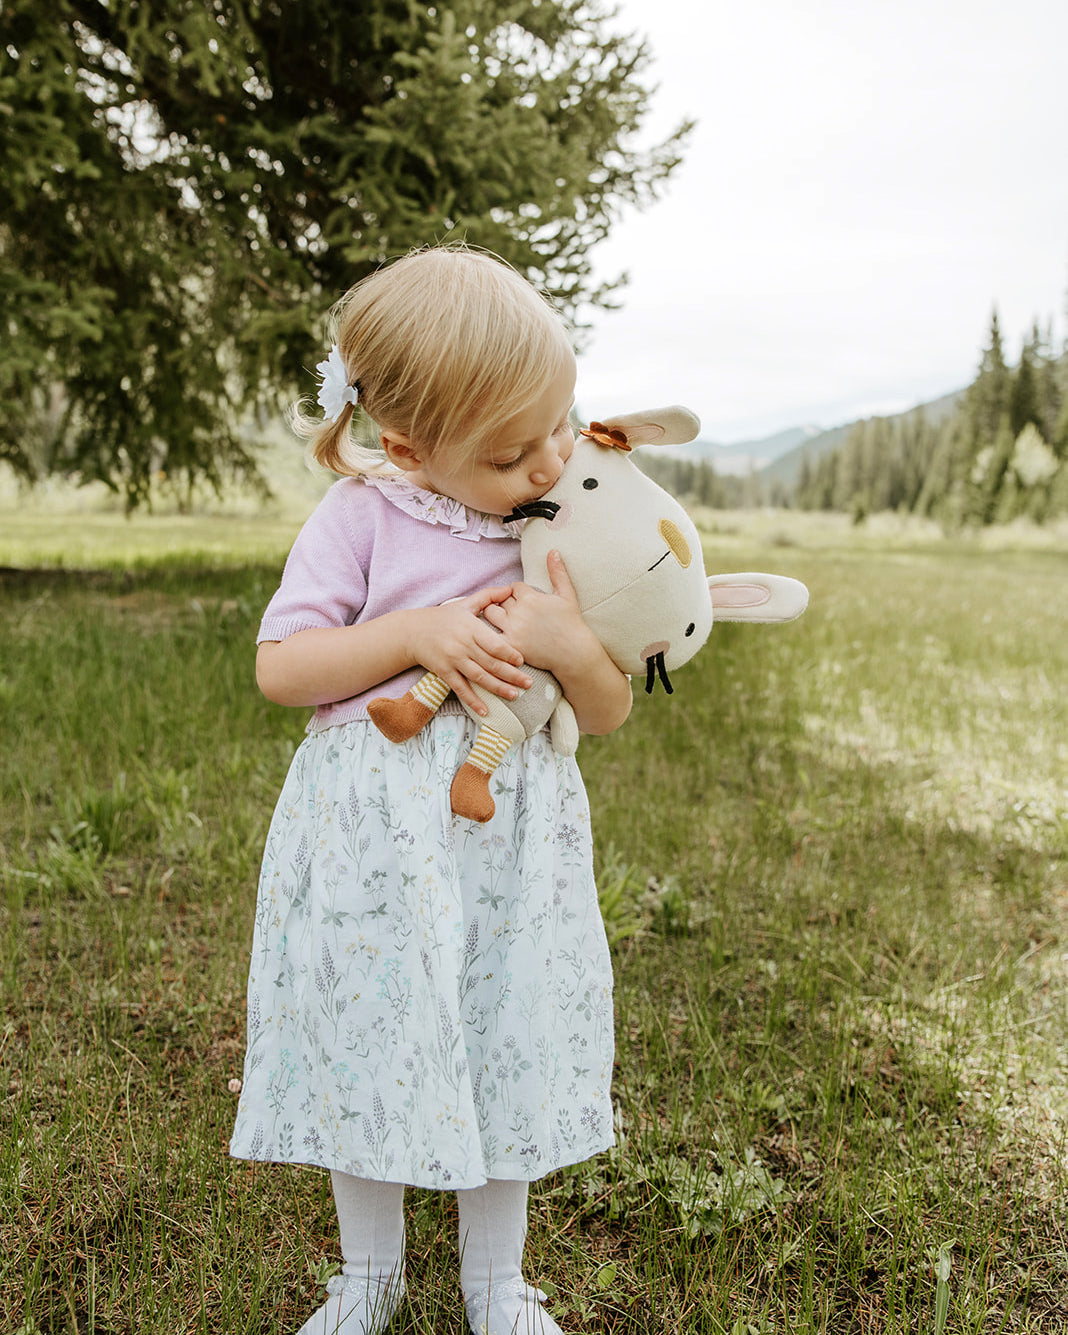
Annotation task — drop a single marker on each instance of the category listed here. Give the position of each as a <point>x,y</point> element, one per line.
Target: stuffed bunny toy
<point>634,558</point>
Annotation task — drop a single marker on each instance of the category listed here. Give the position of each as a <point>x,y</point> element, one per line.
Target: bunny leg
<point>398,720</point>
<point>470,795</point>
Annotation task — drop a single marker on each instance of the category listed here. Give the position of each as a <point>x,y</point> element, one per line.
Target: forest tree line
<point>1002,453</point>
<point>999,452</point>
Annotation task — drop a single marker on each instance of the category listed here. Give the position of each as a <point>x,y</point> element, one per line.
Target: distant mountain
<point>744,456</point>
<point>786,467</point>
<point>777,458</point>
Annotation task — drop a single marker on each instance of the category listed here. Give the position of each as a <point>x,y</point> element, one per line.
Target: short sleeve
<point>324,582</point>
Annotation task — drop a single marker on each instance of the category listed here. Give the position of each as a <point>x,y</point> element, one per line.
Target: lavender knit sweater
<point>375,545</point>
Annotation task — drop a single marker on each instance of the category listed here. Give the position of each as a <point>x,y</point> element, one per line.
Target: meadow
<point>832,868</point>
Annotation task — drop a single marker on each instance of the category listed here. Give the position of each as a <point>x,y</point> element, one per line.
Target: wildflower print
<point>430,1000</point>
<point>326,974</point>
<point>471,941</point>
<point>569,836</point>
<point>591,1120</point>
<point>280,1082</point>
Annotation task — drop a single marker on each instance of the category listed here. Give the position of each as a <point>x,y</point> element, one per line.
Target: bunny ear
<point>757,598</point>
<point>674,425</point>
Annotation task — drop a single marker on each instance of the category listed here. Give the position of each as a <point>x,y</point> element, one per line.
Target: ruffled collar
<point>432,508</point>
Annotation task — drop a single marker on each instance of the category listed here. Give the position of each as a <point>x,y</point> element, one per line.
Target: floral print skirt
<point>430,999</point>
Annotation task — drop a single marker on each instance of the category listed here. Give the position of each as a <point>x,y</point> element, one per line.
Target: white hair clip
<point>335,390</point>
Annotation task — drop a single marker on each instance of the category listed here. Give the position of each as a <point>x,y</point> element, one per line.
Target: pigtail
<point>346,445</point>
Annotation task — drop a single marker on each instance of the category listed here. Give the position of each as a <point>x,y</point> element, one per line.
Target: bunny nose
<point>651,650</point>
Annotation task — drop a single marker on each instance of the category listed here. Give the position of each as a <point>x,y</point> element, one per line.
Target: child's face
<point>523,459</point>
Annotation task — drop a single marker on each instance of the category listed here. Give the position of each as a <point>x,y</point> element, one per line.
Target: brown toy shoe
<point>399,720</point>
<point>470,794</point>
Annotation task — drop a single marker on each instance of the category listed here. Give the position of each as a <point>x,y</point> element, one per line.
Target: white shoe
<point>356,1306</point>
<point>511,1308</point>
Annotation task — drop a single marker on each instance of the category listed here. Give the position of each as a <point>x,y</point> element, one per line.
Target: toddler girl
<point>429,998</point>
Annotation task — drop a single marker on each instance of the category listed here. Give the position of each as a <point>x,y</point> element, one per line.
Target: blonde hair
<point>445,345</point>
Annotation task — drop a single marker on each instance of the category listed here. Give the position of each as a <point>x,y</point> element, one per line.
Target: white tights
<point>493,1230</point>
<point>370,1217</point>
<point>368,1291</point>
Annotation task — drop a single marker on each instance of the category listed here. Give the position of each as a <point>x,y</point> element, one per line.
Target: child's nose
<point>547,468</point>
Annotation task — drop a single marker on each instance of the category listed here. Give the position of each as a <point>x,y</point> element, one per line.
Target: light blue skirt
<point>429,999</point>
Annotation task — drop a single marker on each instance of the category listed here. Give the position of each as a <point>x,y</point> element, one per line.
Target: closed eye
<point>509,465</point>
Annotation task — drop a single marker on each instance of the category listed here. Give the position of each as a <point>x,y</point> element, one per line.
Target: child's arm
<point>548,629</point>
<point>321,665</point>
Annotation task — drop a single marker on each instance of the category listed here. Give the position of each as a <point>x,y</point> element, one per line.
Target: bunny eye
<point>690,628</point>
<point>590,484</point>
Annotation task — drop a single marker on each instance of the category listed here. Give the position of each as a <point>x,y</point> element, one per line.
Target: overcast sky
<point>866,181</point>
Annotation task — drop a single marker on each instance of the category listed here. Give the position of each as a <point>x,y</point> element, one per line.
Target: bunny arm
<point>564,728</point>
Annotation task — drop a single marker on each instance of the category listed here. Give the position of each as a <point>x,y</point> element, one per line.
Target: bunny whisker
<point>655,667</point>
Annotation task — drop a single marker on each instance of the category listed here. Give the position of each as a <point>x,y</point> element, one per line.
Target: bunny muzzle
<point>655,666</point>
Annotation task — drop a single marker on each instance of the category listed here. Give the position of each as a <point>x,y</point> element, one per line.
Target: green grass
<point>832,866</point>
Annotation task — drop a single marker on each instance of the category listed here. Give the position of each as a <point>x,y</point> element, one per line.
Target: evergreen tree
<point>1048,374</point>
<point>877,468</point>
<point>1023,396</point>
<point>826,482</point>
<point>1058,491</point>
<point>1060,432</point>
<point>941,494</point>
<point>989,473</point>
<point>988,397</point>
<point>848,481</point>
<point>916,448</point>
<point>1057,398</point>
<point>187,186</point>
<point>805,482</point>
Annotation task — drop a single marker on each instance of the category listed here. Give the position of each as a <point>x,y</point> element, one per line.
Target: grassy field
<point>833,868</point>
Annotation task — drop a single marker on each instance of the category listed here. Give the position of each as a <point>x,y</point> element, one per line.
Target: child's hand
<point>457,645</point>
<point>548,630</point>
<point>544,627</point>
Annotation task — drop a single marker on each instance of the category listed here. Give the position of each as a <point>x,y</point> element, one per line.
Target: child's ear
<point>398,449</point>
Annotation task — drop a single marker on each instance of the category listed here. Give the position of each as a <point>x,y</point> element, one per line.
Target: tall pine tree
<point>1024,403</point>
<point>989,394</point>
<point>186,187</point>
